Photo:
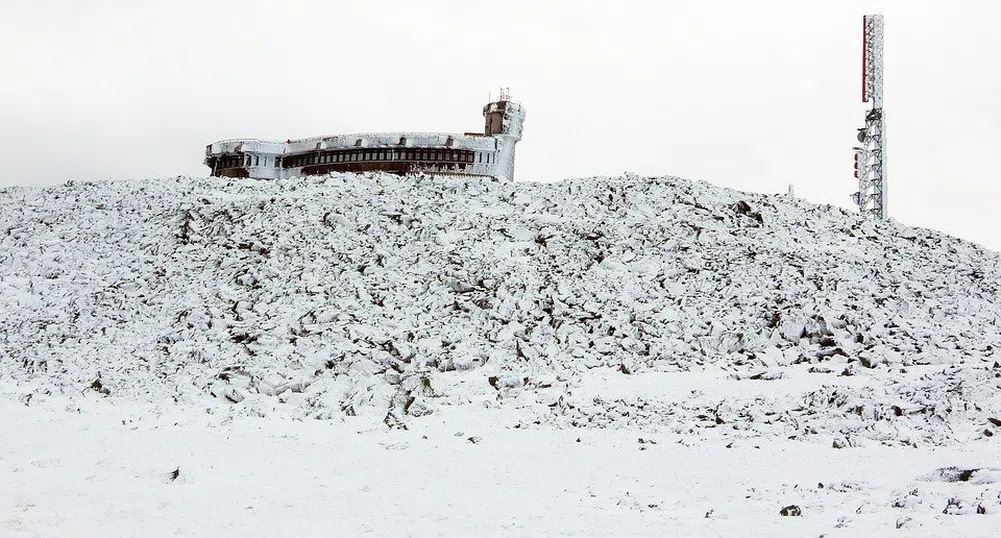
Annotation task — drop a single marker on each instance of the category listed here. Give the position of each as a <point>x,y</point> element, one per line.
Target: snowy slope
<point>595,357</point>
<point>596,303</point>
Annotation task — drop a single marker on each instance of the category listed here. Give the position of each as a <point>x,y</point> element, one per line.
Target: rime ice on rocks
<point>658,303</point>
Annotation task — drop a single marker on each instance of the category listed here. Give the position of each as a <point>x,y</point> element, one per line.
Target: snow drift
<point>600,302</point>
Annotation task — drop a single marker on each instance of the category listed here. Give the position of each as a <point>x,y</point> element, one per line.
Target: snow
<point>420,356</point>
<point>108,470</point>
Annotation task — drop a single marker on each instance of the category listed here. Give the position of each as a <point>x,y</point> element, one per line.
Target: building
<point>488,154</point>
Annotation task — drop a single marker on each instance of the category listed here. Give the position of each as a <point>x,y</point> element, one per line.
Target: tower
<point>503,120</point>
<point>870,154</point>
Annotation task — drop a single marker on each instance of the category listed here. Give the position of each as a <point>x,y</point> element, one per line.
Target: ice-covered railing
<point>234,145</point>
<point>361,140</point>
<point>392,139</point>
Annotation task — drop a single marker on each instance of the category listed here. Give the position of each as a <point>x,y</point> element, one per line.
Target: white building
<point>490,153</point>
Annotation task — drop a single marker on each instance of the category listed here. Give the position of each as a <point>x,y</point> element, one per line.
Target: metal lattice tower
<point>870,155</point>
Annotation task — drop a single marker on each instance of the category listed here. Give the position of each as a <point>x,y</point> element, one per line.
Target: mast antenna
<point>870,154</point>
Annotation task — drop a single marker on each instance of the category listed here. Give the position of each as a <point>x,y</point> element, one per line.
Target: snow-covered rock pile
<point>651,302</point>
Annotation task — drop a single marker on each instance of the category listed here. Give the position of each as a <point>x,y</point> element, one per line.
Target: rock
<point>99,388</point>
<point>956,507</point>
<point>986,475</point>
<point>791,510</point>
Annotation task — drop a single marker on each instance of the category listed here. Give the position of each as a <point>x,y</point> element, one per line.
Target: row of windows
<point>389,154</point>
<point>295,161</point>
<point>236,161</point>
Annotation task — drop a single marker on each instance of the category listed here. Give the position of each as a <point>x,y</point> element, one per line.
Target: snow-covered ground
<point>381,355</point>
<point>110,471</point>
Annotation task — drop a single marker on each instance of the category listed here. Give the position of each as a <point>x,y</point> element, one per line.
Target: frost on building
<point>490,153</point>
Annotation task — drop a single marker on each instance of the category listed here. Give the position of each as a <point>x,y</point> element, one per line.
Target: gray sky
<point>750,95</point>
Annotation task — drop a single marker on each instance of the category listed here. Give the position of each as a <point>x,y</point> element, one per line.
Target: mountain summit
<point>590,303</point>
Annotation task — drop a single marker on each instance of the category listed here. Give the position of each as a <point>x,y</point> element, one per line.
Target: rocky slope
<point>603,302</point>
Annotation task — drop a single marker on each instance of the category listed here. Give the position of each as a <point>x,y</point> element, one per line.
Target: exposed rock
<point>791,510</point>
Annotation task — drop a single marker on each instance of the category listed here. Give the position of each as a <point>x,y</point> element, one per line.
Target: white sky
<point>750,95</point>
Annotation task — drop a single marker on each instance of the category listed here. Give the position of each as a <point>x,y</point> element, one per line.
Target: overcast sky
<point>750,95</point>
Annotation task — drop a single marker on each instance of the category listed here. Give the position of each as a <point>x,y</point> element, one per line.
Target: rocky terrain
<point>765,363</point>
<point>591,303</point>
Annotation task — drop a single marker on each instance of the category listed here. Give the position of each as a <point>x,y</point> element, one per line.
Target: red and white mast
<point>870,155</point>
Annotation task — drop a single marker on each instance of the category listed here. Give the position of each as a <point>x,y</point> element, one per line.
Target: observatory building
<point>489,154</point>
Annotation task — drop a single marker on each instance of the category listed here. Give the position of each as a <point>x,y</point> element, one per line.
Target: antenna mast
<point>870,155</point>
